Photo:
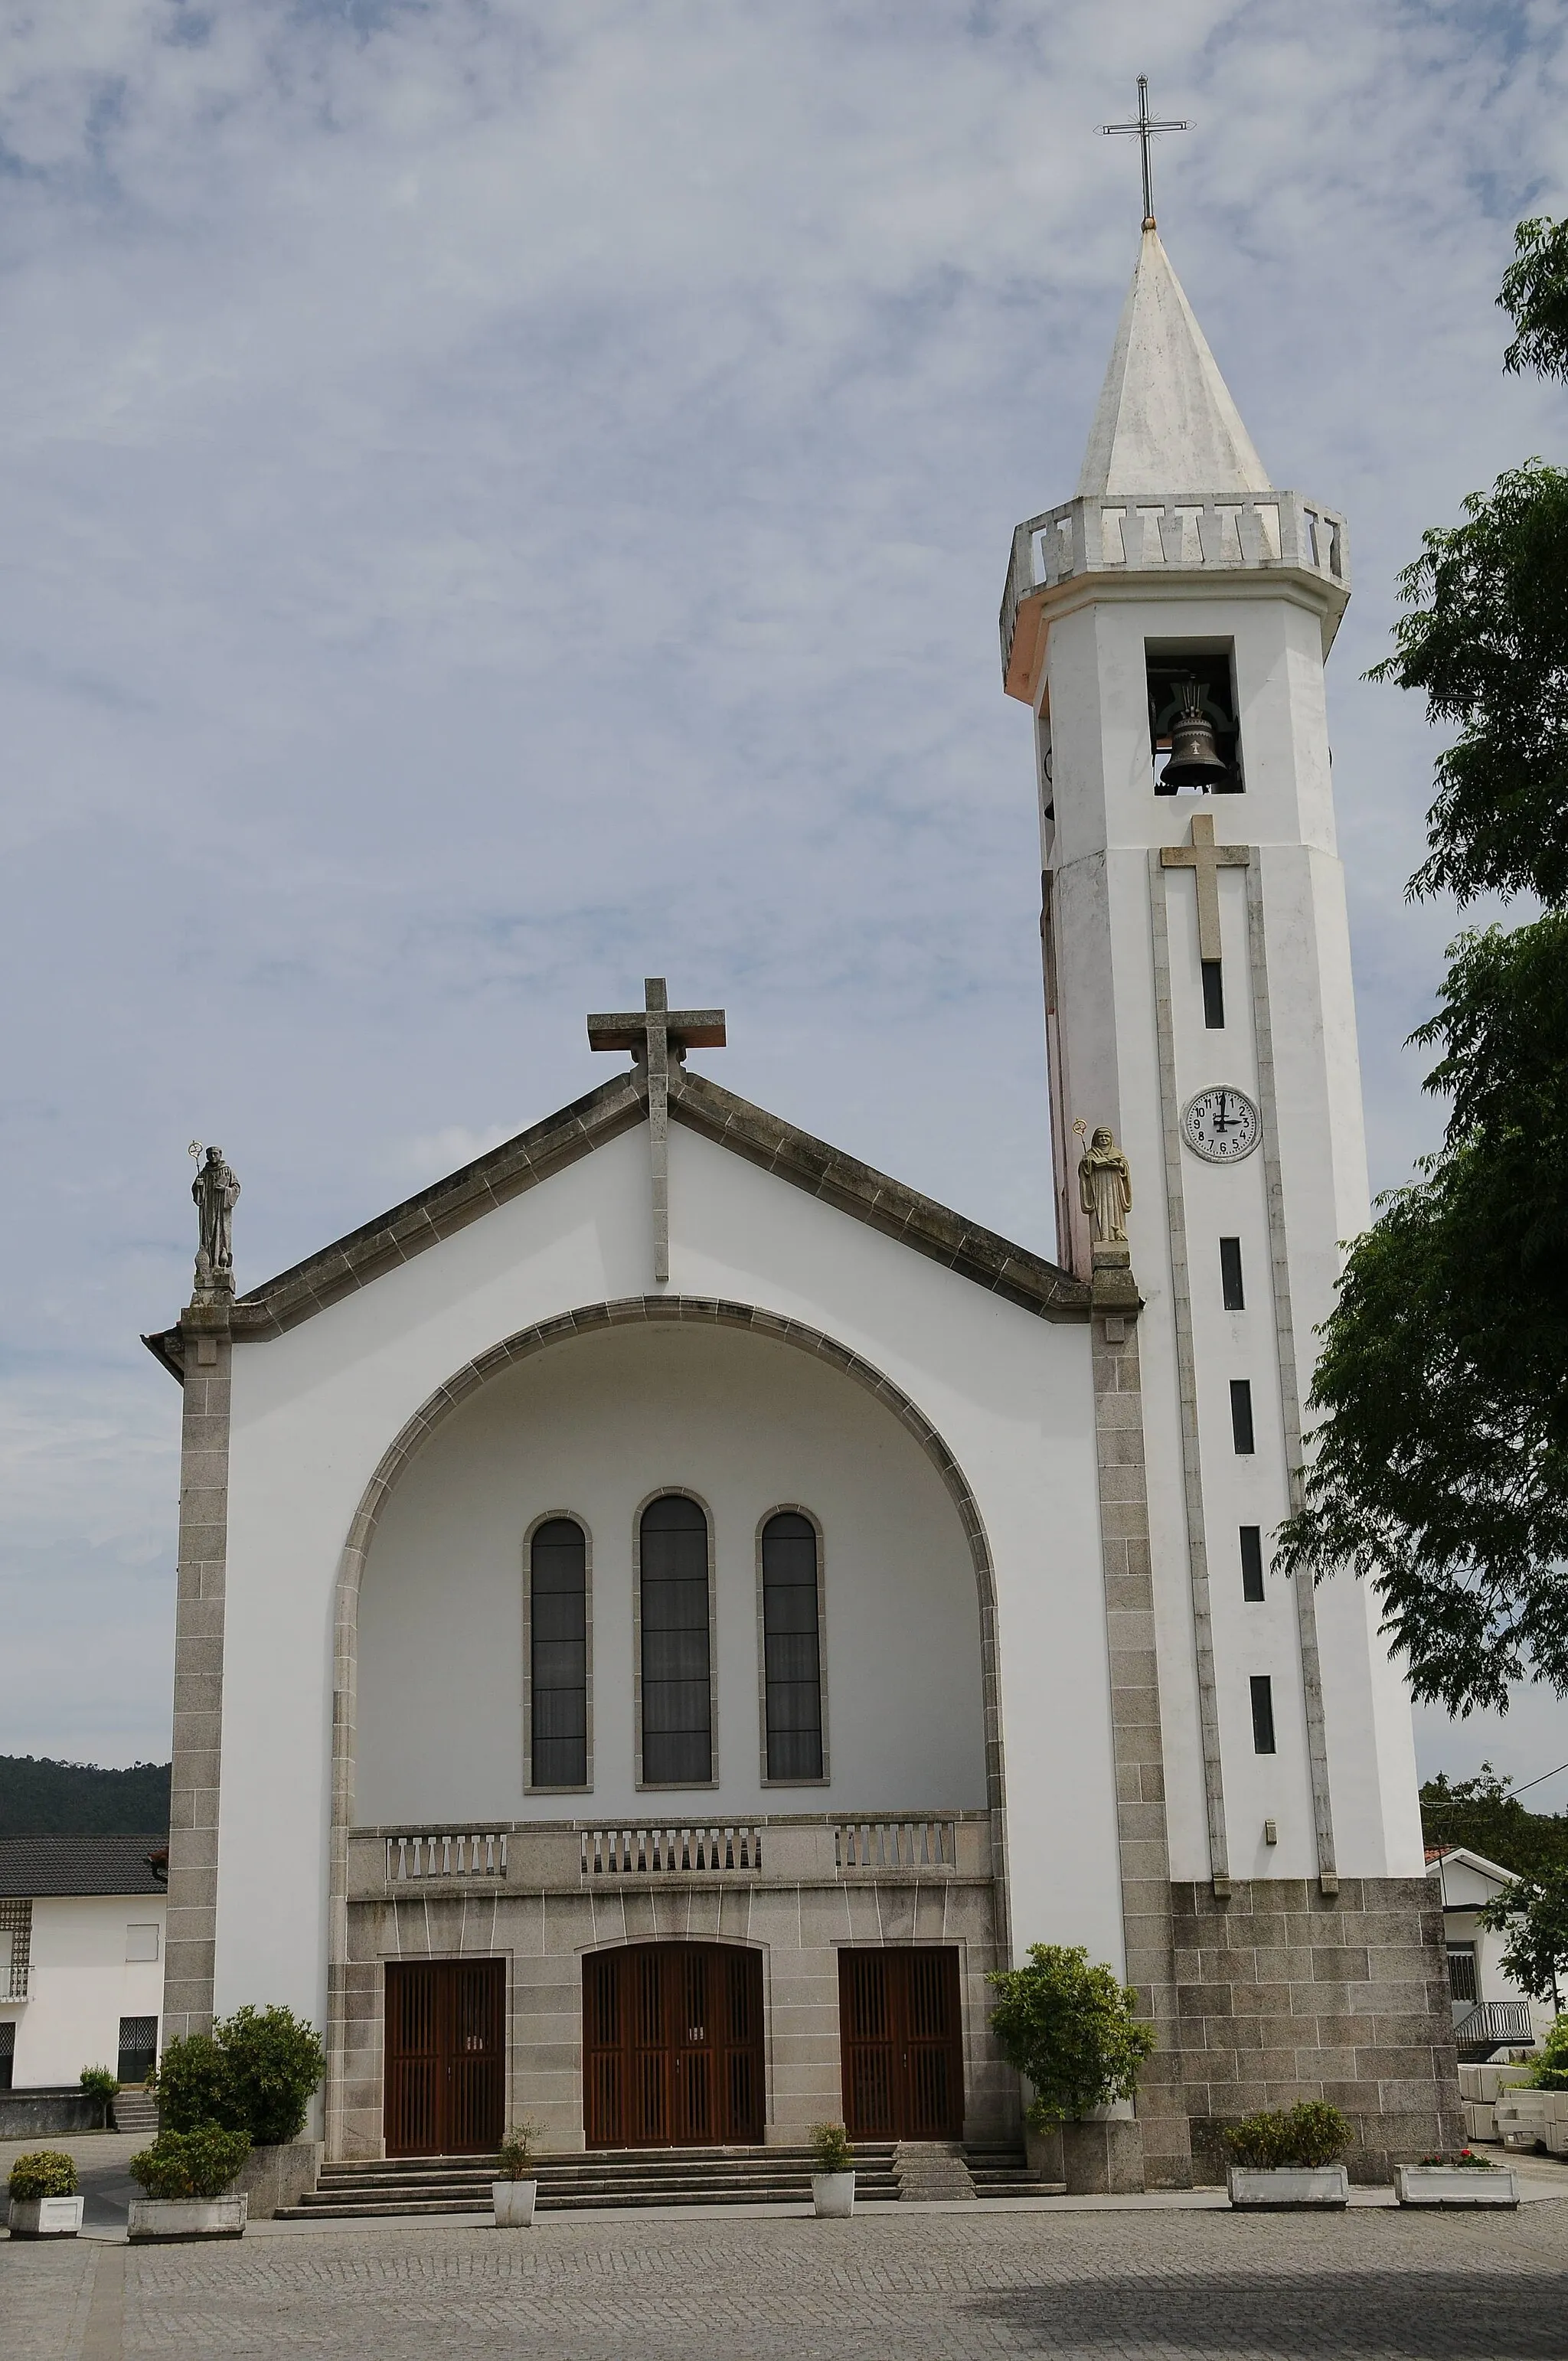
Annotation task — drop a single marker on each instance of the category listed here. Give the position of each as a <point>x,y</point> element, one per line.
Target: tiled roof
<point>37,1866</point>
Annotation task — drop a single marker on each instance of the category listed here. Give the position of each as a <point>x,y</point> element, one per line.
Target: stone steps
<point>1002,2171</point>
<point>706,2176</point>
<point>135,2112</point>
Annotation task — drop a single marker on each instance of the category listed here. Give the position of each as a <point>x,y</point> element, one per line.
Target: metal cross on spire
<point>1146,128</point>
<point>650,1033</point>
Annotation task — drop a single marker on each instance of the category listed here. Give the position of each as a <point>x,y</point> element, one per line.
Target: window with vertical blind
<point>558,1655</point>
<point>791,1647</point>
<point>674,1644</point>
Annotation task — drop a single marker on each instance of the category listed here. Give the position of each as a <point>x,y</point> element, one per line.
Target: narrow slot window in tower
<point>1213,995</point>
<point>1230,1288</point>
<point>1252,1563</point>
<point>1241,1415</point>
<point>1262,1714</point>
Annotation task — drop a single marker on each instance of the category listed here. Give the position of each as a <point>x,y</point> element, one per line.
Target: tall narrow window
<point>1241,1414</point>
<point>1262,1714</point>
<point>1231,1289</point>
<point>1213,995</point>
<point>677,1704</point>
<point>1252,1563</point>
<point>791,1647</point>
<point>558,1649</point>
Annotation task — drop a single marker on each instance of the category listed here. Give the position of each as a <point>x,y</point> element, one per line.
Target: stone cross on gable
<point>649,1033</point>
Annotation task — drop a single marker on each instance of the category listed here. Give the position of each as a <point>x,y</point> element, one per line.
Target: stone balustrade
<point>1219,533</point>
<point>566,1856</point>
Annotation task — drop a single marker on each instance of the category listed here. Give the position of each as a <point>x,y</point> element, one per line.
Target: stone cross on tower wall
<point>649,1033</point>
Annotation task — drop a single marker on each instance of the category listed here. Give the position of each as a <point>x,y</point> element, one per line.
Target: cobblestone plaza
<point>923,2284</point>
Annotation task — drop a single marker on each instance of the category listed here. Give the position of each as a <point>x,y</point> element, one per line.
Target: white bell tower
<point>1199,1005</point>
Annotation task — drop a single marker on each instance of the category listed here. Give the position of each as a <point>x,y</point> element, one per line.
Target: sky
<point>499,498</point>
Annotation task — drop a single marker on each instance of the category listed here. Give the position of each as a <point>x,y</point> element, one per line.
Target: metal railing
<point>730,1849</point>
<point>1496,2021</point>
<point>1181,532</point>
<point>446,1854</point>
<point>896,1844</point>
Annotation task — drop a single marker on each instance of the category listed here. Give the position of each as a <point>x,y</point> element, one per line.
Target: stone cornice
<point>703,1106</point>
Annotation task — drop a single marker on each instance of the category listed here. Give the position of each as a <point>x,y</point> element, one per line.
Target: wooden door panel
<point>444,2073</point>
<point>672,2046</point>
<point>901,2041</point>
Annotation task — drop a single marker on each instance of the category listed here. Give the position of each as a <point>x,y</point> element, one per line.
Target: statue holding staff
<point>215,1191</point>
<point>1105,1189</point>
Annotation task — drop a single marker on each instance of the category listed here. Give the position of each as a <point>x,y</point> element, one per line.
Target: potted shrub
<point>833,2181</point>
<point>1069,2027</point>
<point>188,2177</point>
<point>102,2087</point>
<point>1290,2158</point>
<point>515,2190</point>
<point>1462,2179</point>
<point>43,2193</point>
<point>255,2072</point>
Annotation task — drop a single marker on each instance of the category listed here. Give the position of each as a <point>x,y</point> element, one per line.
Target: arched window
<point>558,1655</point>
<point>791,1647</point>
<point>675,1652</point>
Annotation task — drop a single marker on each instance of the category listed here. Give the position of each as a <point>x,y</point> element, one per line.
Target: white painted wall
<point>1465,1889</point>
<point>1106,819</point>
<point>592,1428</point>
<point>313,1411</point>
<point>83,1984</point>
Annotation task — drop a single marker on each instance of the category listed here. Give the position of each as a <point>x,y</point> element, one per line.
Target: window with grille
<point>558,1655</point>
<point>7,2054</point>
<point>139,2048</point>
<point>791,1647</point>
<point>675,1644</point>
<point>1461,1978</point>
<point>15,1947</point>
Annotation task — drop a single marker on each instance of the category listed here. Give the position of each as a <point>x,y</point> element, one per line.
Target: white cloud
<point>505,498</point>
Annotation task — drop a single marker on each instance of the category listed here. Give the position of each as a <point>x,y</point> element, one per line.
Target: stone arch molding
<point>586,1321</point>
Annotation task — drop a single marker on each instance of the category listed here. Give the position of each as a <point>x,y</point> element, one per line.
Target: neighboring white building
<point>667,1611</point>
<point>81,1930</point>
<point>1488,2007</point>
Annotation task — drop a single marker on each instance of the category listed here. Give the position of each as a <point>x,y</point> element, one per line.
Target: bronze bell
<point>1195,759</point>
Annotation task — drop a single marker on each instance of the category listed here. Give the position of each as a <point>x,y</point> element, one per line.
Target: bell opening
<point>1193,735</point>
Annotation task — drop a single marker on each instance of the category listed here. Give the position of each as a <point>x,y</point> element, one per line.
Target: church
<point>668,1611</point>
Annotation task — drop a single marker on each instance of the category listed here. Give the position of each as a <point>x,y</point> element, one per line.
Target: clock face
<point>1221,1124</point>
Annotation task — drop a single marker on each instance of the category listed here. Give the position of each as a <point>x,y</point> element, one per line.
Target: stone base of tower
<point>1286,1993</point>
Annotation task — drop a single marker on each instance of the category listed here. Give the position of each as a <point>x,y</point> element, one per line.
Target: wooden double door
<point>444,2089</point>
<point>673,2046</point>
<point>901,2038</point>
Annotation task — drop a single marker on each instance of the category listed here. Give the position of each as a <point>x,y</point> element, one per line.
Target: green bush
<point>201,2163</point>
<point>100,2084</point>
<point>516,2152</point>
<point>45,2173</point>
<point>1070,2028</point>
<point>254,2072</point>
<point>1552,2065</point>
<point>830,2149</point>
<point>1307,2136</point>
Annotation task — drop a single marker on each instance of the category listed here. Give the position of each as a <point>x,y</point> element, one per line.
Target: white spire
<point>1166,421</point>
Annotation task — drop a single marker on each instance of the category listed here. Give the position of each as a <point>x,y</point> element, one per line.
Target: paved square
<point>915,2285</point>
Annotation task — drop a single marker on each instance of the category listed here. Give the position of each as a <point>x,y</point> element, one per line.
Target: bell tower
<point>1168,627</point>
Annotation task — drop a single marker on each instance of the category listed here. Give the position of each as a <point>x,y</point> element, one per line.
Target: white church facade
<point>666,1612</point>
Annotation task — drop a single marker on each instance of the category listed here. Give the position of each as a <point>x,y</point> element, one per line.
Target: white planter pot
<point>514,2202</point>
<point>1323,2185</point>
<point>46,2217</point>
<point>833,2195</point>
<point>1454,2184</point>
<point>162,2220</point>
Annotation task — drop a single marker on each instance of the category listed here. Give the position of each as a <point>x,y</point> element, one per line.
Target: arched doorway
<point>673,2046</point>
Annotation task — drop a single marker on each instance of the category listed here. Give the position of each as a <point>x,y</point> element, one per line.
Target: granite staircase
<point>582,2183</point>
<point>1001,2170</point>
<point>135,2112</point>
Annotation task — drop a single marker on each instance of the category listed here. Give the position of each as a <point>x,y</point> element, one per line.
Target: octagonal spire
<point>1166,421</point>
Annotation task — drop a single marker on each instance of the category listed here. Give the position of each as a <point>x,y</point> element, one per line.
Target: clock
<point>1221,1124</point>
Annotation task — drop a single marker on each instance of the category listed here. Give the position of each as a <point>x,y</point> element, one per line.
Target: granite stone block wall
<point>1286,1993</point>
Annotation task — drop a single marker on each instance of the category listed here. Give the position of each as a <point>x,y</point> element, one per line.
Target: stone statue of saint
<point>215,1191</point>
<point>1105,1189</point>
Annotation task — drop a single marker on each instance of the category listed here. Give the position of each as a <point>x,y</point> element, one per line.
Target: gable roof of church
<point>1166,421</point>
<point>548,1148</point>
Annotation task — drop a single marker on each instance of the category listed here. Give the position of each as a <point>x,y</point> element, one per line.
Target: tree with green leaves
<point>1484,1815</point>
<point>1534,1914</point>
<point>1069,2027</point>
<point>1440,1451</point>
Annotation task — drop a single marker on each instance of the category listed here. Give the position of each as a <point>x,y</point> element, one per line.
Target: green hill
<point>1480,1813</point>
<point>42,1798</point>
